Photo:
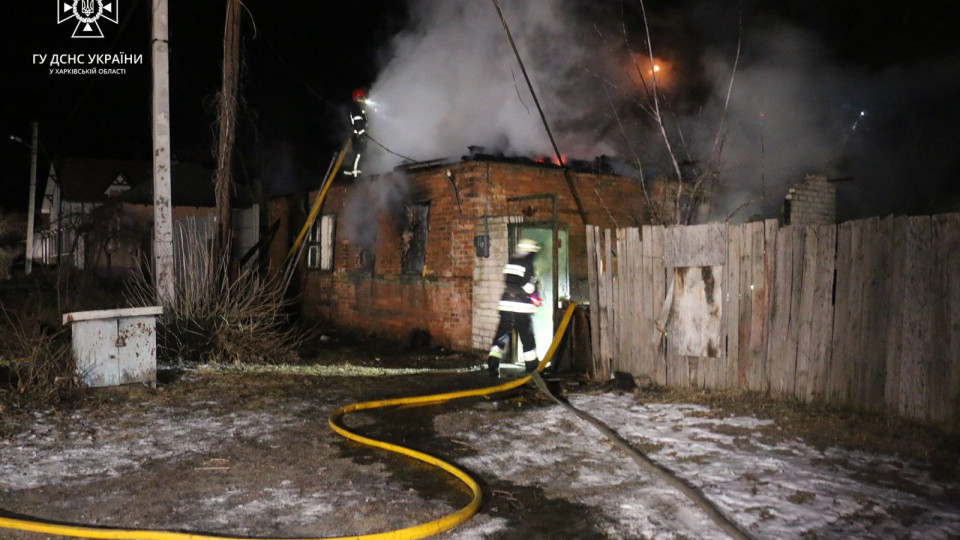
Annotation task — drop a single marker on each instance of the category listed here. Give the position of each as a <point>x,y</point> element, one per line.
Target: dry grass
<point>36,367</point>
<point>11,236</point>
<point>219,318</point>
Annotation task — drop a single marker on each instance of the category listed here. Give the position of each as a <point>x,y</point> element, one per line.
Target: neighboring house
<point>98,213</point>
<point>423,248</point>
<point>73,191</point>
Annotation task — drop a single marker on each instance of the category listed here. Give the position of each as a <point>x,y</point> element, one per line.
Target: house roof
<point>87,180</point>
<point>191,185</point>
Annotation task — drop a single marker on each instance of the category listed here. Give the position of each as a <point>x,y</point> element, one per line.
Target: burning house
<point>422,249</point>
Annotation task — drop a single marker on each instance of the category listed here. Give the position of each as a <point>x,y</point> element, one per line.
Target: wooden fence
<point>865,314</point>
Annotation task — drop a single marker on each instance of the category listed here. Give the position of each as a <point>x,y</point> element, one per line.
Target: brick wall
<point>455,296</point>
<point>812,201</point>
<point>488,283</point>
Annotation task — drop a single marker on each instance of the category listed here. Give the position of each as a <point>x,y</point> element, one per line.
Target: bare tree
<point>227,116</point>
<point>686,192</point>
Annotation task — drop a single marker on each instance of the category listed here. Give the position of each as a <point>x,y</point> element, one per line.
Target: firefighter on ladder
<point>358,122</point>
<point>520,299</point>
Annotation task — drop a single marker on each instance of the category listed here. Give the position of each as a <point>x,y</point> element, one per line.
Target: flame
<point>550,159</point>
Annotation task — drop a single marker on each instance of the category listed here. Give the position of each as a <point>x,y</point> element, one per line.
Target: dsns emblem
<point>88,14</point>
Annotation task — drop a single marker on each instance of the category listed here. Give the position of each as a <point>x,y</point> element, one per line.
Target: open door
<point>554,275</point>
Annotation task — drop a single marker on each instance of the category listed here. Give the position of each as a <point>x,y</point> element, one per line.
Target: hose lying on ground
<point>645,463</point>
<point>419,531</point>
<point>425,529</point>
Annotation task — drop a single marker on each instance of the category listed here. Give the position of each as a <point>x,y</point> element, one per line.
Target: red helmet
<point>359,94</point>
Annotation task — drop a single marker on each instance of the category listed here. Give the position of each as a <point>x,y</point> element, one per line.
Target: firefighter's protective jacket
<point>521,284</point>
<point>358,119</point>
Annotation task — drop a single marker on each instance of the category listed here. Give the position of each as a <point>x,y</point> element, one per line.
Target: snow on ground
<point>78,448</point>
<point>770,486</point>
<point>770,489</point>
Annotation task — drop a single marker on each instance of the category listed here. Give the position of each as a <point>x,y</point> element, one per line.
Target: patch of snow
<point>80,448</point>
<point>771,490</point>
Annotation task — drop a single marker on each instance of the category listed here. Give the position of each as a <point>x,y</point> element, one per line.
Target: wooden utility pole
<point>162,218</point>
<point>223,182</point>
<point>32,203</point>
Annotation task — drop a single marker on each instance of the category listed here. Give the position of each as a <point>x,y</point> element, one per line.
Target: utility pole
<point>162,219</point>
<point>32,203</point>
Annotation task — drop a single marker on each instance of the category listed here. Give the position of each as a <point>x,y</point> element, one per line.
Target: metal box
<point>115,346</point>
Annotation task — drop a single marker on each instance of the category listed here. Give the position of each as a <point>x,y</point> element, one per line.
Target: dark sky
<point>303,57</point>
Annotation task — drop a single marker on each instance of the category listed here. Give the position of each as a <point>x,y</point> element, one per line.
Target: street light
<point>32,204</point>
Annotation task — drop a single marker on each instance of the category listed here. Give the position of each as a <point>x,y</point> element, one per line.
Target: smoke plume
<point>450,80</point>
<point>367,202</point>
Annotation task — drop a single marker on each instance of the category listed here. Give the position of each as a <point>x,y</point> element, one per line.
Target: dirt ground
<point>257,442</point>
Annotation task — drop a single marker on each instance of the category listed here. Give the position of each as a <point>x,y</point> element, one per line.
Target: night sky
<point>303,58</point>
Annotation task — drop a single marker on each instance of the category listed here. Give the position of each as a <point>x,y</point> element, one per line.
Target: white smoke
<point>452,81</point>
<point>785,118</point>
<point>367,202</point>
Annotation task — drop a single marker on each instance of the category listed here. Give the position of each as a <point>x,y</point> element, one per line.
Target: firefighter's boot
<point>493,366</point>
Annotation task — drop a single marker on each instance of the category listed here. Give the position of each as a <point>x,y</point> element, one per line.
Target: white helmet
<point>526,245</point>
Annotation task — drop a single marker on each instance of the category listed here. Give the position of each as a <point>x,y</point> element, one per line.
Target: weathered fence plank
<point>635,253</point>
<point>659,295</point>
<point>797,241</point>
<point>694,245</point>
<point>606,297</point>
<point>846,329</point>
<point>616,316</point>
<point>939,366</point>
<point>779,372</point>
<point>746,303</point>
<point>763,242</point>
<point>805,340</point>
<point>917,318</point>
<point>947,233</point>
<point>894,319</point>
<point>593,281</point>
<point>865,314</point>
<point>734,242</point>
<point>873,336</point>
<point>647,329</point>
<point>822,330</point>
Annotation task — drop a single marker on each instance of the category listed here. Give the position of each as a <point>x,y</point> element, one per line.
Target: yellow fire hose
<point>319,202</point>
<point>419,531</point>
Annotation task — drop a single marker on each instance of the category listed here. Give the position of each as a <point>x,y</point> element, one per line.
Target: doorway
<point>553,271</point>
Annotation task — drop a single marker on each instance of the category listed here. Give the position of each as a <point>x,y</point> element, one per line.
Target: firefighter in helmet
<point>358,122</point>
<point>520,299</point>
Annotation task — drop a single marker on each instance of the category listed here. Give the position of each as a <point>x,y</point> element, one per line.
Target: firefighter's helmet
<point>360,95</point>
<point>526,245</point>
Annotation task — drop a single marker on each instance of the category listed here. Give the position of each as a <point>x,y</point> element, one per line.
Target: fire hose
<point>419,531</point>
<point>425,529</point>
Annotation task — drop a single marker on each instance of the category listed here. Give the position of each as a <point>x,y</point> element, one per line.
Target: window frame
<point>417,225</point>
<point>321,241</point>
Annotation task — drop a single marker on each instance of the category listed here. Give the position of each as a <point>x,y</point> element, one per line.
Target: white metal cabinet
<point>115,346</point>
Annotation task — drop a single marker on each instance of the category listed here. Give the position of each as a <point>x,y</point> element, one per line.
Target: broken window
<point>414,238</point>
<point>320,244</point>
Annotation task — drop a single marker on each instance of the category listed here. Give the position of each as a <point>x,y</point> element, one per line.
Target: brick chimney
<point>814,200</point>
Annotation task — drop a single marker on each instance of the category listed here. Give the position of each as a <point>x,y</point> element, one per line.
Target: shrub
<point>219,318</point>
<point>36,365</point>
